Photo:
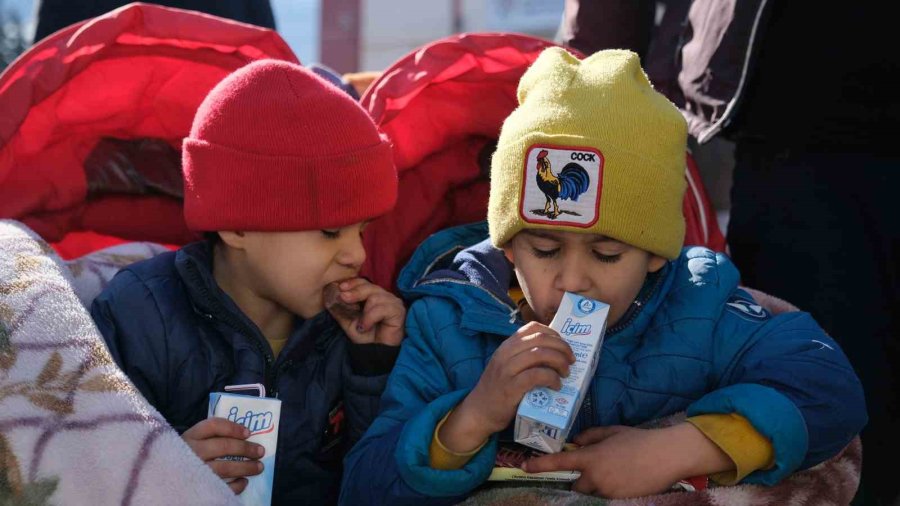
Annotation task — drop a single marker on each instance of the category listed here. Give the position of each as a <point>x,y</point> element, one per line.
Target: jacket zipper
<point>586,417</point>
<point>636,307</point>
<point>512,309</point>
<point>269,374</point>
<point>284,365</point>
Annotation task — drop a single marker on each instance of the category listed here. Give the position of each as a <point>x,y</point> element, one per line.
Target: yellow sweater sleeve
<point>445,459</point>
<point>734,435</point>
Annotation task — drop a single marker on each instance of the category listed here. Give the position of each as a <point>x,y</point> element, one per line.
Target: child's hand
<point>535,356</point>
<point>621,462</point>
<point>214,438</point>
<point>383,314</point>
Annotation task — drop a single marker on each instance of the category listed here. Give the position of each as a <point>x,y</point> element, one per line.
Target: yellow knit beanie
<point>591,148</point>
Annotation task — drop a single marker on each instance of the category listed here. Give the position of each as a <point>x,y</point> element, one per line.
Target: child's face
<point>292,268</point>
<point>550,263</point>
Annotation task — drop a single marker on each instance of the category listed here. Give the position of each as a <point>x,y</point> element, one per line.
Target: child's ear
<point>233,238</point>
<point>508,252</point>
<point>656,263</point>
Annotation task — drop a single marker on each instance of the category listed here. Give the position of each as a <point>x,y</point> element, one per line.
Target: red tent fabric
<point>702,223</point>
<point>141,71</point>
<point>138,72</point>
<point>443,106</point>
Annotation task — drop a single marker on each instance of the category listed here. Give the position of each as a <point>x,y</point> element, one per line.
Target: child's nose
<point>352,254</point>
<point>573,277</point>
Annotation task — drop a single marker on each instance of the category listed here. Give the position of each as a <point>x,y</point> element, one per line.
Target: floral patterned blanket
<point>73,430</point>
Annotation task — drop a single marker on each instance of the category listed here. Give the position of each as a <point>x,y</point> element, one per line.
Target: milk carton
<point>545,416</point>
<point>261,415</point>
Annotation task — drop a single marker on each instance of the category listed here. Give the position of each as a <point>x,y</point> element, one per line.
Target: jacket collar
<point>461,265</point>
<point>194,265</point>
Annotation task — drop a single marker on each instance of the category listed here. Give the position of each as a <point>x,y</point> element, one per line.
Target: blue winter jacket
<point>693,341</point>
<point>178,337</point>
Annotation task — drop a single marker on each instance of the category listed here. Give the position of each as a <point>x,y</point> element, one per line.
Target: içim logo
<point>571,328</point>
<point>258,423</point>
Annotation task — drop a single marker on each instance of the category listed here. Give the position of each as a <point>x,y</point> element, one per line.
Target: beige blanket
<point>73,430</point>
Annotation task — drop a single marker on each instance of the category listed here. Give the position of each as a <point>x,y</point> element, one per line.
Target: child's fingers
<point>536,328</point>
<point>384,319</point>
<point>348,326</point>
<point>563,461</point>
<point>217,447</point>
<point>550,336</point>
<point>597,434</point>
<point>539,340</point>
<point>236,468</point>
<point>538,357</point>
<point>238,485</point>
<point>360,293</point>
<point>350,284</point>
<point>216,427</point>
<point>537,377</point>
<point>584,485</point>
<point>382,308</point>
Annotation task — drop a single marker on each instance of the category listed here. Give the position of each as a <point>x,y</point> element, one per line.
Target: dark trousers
<point>822,231</point>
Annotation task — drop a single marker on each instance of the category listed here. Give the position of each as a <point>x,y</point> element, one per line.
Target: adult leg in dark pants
<point>822,231</point>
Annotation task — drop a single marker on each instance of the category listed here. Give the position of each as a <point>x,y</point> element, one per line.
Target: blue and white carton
<point>262,416</point>
<point>545,416</point>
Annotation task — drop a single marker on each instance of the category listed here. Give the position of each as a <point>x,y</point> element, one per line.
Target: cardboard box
<point>262,415</point>
<point>545,416</point>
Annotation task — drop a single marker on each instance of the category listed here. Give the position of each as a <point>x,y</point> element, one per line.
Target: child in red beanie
<point>282,170</point>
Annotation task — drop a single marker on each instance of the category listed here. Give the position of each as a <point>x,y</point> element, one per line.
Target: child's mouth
<point>331,298</point>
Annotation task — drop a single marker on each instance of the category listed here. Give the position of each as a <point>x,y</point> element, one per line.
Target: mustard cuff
<point>445,459</point>
<point>734,435</point>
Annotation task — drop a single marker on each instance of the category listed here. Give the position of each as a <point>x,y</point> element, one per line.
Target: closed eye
<point>540,253</point>
<point>331,234</point>
<point>607,258</point>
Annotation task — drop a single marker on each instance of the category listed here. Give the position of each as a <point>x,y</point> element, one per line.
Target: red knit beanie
<point>274,147</point>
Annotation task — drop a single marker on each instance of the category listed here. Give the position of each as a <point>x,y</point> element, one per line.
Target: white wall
<point>535,17</point>
<point>299,22</point>
<point>392,28</point>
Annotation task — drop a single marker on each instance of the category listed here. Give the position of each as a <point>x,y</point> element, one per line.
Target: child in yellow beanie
<point>586,190</point>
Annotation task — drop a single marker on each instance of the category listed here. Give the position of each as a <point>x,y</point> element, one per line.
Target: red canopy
<point>443,106</point>
<point>138,72</point>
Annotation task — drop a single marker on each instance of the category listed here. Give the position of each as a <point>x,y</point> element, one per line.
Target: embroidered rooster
<point>568,185</point>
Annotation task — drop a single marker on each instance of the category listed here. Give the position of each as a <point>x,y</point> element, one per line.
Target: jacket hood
<point>460,264</point>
